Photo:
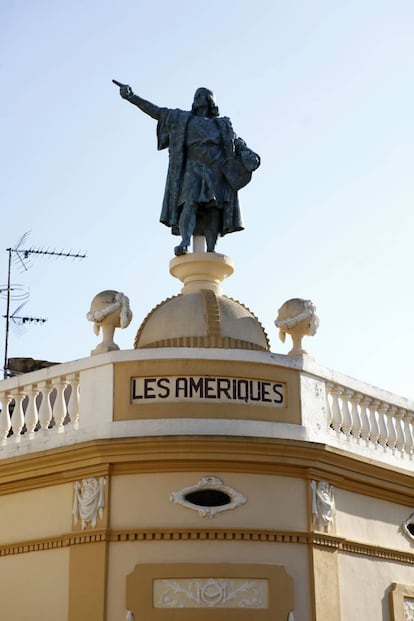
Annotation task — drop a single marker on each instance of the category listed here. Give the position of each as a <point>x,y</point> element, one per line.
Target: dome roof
<point>201,316</point>
<point>201,319</point>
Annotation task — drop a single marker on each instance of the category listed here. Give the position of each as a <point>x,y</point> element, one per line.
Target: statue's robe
<point>171,133</point>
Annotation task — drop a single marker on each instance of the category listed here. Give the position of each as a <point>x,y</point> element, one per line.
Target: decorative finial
<point>109,310</point>
<point>297,317</point>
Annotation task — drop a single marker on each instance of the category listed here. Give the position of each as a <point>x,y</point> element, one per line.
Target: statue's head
<point>203,97</point>
<point>110,308</point>
<point>297,315</point>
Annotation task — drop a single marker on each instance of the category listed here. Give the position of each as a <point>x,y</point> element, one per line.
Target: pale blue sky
<point>323,90</point>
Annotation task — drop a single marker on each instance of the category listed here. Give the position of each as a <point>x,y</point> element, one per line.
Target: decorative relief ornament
<point>208,497</point>
<point>89,501</point>
<point>130,616</point>
<point>408,609</point>
<point>211,593</point>
<point>323,505</point>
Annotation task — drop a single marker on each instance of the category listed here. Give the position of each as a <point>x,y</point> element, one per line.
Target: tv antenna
<point>21,257</point>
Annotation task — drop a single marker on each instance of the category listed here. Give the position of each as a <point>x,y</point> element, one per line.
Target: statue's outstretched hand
<point>125,91</point>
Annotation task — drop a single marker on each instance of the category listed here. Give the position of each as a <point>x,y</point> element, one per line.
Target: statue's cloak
<point>171,133</point>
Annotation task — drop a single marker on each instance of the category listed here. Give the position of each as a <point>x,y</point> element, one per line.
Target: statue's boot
<point>180,249</point>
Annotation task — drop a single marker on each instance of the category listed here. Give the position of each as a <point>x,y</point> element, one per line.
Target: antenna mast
<point>22,256</point>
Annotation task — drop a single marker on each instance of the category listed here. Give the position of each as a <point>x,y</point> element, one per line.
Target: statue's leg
<point>213,228</point>
<point>187,223</point>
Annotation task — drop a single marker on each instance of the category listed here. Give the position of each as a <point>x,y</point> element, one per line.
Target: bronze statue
<point>208,164</point>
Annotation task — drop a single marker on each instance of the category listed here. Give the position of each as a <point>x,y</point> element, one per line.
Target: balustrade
<point>356,417</point>
<point>46,407</point>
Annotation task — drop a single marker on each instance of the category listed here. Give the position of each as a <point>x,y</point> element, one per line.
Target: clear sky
<point>322,90</point>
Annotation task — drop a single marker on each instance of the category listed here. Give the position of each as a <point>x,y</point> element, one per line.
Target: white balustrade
<point>48,406</point>
<point>359,418</point>
<point>354,417</point>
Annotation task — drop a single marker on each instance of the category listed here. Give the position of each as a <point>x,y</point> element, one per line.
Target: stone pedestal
<point>108,332</point>
<point>201,270</point>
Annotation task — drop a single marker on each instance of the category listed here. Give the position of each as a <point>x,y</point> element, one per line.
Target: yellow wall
<point>272,502</point>
<point>124,556</point>
<point>36,513</point>
<point>34,586</point>
<point>371,520</point>
<point>365,586</point>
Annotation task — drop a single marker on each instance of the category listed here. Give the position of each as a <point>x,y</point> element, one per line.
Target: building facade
<point>199,476</point>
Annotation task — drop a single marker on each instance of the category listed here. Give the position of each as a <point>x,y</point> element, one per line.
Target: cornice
<point>291,458</point>
<point>312,539</point>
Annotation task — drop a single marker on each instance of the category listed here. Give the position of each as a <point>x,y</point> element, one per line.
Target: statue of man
<point>208,164</point>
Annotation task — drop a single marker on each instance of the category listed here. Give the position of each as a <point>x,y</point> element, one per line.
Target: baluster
<point>73,405</point>
<point>17,418</point>
<point>356,416</point>
<point>392,429</point>
<point>382,422</point>
<point>346,414</point>
<point>366,426</point>
<point>400,443</point>
<point>5,423</point>
<point>59,408</point>
<point>374,433</point>
<point>336,410</point>
<point>409,433</point>
<point>32,416</point>
<point>45,410</point>
<point>329,417</point>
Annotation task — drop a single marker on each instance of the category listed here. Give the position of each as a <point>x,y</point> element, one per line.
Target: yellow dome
<point>201,319</point>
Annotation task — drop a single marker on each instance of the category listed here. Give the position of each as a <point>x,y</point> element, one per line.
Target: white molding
<point>211,593</point>
<point>209,482</point>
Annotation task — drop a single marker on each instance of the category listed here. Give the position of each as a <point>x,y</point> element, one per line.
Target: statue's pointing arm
<point>149,108</point>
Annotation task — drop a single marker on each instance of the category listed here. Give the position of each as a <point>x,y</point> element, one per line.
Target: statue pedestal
<point>201,270</point>
<point>108,331</point>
